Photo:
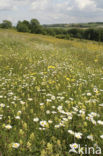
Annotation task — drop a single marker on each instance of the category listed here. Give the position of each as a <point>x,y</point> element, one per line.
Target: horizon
<point>54,23</point>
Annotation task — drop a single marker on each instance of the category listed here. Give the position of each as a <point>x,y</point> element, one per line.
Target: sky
<point>52,11</point>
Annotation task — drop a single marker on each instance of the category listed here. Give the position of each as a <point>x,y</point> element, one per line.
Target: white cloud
<point>82,4</point>
<point>5,4</point>
<point>12,4</point>
<point>52,11</point>
<point>40,4</point>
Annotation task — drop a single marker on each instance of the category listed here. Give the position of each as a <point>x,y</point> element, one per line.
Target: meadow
<point>51,95</point>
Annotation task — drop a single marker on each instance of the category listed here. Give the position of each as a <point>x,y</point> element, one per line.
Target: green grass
<point>56,81</point>
<point>78,25</point>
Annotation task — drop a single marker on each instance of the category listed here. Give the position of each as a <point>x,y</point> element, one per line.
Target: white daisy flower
<point>36,119</point>
<point>78,135</point>
<point>54,112</point>
<point>90,137</point>
<point>17,117</point>
<point>71,132</point>
<point>101,136</point>
<point>22,102</point>
<point>2,105</point>
<point>60,108</point>
<point>101,104</point>
<point>100,122</point>
<point>15,145</point>
<point>47,112</point>
<point>94,122</point>
<point>89,94</point>
<point>57,126</point>
<point>41,104</point>
<point>53,107</point>
<point>43,123</point>
<point>74,146</point>
<point>30,99</point>
<point>50,121</point>
<point>8,126</point>
<point>53,97</point>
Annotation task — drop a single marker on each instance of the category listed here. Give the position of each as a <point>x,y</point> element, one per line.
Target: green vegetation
<point>78,25</point>
<point>23,26</point>
<point>6,24</point>
<point>92,33</point>
<point>51,94</point>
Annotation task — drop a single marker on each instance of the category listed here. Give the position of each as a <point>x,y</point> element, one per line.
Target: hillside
<point>77,25</point>
<point>51,95</point>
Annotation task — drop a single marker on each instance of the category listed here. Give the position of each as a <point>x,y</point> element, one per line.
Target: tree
<point>23,26</point>
<point>6,24</point>
<point>35,26</point>
<point>26,23</point>
<point>50,31</point>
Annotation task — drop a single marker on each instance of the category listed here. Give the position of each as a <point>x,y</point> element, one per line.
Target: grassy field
<point>51,95</point>
<point>93,25</point>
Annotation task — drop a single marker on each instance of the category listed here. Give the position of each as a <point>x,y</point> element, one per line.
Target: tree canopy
<point>6,24</point>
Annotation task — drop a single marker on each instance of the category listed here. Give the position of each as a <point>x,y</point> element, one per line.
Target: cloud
<point>12,4</point>
<point>53,11</point>
<point>5,5</point>
<point>40,4</point>
<point>82,4</point>
<point>68,10</point>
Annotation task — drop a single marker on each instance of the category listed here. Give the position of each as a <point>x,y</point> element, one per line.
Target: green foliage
<point>61,36</point>
<point>57,30</point>
<point>34,27</point>
<point>50,31</point>
<point>23,26</point>
<point>6,24</point>
<point>89,34</point>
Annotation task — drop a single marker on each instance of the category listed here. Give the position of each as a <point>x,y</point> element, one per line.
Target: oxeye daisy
<point>71,132</point>
<point>2,105</point>
<point>101,136</point>
<point>90,137</point>
<point>89,94</point>
<point>78,135</point>
<point>43,123</point>
<point>17,117</point>
<point>36,119</point>
<point>15,145</point>
<point>100,122</point>
<point>47,112</point>
<point>74,146</point>
<point>50,121</point>
<point>8,126</point>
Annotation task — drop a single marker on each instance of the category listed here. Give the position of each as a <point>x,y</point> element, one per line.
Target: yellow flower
<point>28,144</point>
<point>51,82</point>
<point>32,136</point>
<point>96,60</point>
<point>67,78</point>
<point>33,73</point>
<point>51,67</point>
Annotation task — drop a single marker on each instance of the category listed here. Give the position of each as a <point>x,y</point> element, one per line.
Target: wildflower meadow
<point>51,95</point>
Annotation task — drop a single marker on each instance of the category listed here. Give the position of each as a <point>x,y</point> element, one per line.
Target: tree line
<point>34,26</point>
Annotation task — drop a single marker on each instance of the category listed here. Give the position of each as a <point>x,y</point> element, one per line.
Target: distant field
<point>78,25</point>
<point>51,95</point>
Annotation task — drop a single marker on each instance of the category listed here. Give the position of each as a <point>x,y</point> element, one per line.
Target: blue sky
<point>52,11</point>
